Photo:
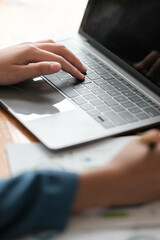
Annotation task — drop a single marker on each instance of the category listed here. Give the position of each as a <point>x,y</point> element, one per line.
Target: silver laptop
<point>121,92</point>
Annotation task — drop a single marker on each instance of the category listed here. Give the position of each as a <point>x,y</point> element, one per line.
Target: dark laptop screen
<point>130,29</point>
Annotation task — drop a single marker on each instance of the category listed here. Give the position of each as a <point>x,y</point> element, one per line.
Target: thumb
<point>41,68</point>
<point>151,135</point>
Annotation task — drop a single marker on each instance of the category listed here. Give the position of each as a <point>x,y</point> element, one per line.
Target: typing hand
<point>28,60</point>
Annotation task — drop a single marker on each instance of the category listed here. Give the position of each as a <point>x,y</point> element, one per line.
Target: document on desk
<point>34,156</point>
<point>99,223</point>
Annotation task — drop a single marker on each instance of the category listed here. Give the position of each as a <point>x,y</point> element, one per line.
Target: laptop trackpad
<point>34,99</point>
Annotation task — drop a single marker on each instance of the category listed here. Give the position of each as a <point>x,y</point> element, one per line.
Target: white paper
<point>113,234</point>
<point>34,156</point>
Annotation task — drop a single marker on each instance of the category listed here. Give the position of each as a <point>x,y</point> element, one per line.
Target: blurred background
<point>31,20</point>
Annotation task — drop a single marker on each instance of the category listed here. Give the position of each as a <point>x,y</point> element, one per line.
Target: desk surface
<point>31,20</point>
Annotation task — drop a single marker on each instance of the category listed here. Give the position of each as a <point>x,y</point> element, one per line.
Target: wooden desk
<point>31,20</point>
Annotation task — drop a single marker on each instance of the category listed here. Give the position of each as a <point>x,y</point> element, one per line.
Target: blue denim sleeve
<point>36,201</point>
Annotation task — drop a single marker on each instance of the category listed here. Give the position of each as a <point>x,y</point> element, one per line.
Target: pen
<point>150,140</point>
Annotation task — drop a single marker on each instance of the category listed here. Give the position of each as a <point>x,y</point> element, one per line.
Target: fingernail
<point>82,77</point>
<point>85,69</point>
<point>55,67</point>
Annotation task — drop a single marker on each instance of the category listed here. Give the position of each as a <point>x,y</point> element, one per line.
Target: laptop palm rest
<point>52,118</point>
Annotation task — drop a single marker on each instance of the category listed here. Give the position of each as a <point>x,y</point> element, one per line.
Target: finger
<point>155,70</point>
<point>39,55</point>
<point>41,41</point>
<point>151,136</point>
<point>148,61</point>
<point>40,68</point>
<point>67,67</point>
<point>46,41</point>
<point>65,53</point>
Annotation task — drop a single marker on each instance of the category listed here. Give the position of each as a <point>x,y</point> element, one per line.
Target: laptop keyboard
<point>104,95</point>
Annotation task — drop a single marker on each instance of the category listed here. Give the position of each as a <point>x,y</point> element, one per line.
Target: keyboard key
<point>87,106</point>
<point>89,97</point>
<point>86,81</point>
<point>135,110</point>
<point>118,108</point>
<point>124,82</point>
<point>79,100</point>
<point>111,102</point>
<point>93,76</point>
<point>114,93</point>
<point>62,74</point>
<point>113,82</point>
<point>69,92</point>
<point>103,108</point>
<point>121,87</point>
<point>108,125</point>
<point>128,104</point>
<point>98,91</point>
<point>76,86</point>
<point>127,93</point>
<point>142,104</point>
<point>83,91</point>
<point>96,102</point>
<point>56,81</point>
<point>116,119</point>
<point>100,71</point>
<point>107,87</point>
<point>91,86</point>
<point>135,98</point>
<point>94,113</point>
<point>111,71</point>
<point>139,94</point>
<point>93,66</point>
<point>67,77</point>
<point>103,65</point>
<point>152,112</point>
<point>128,117</point>
<point>101,118</point>
<point>147,100</point>
<point>142,116</point>
<point>120,98</point>
<point>89,71</point>
<point>99,81</point>
<point>133,88</point>
<point>107,76</point>
<point>104,96</point>
<point>69,81</point>
<point>155,105</point>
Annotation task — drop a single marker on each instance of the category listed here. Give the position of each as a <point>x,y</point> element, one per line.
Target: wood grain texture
<point>31,20</point>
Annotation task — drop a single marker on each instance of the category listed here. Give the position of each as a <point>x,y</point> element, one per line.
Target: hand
<point>28,60</point>
<point>136,173</point>
<point>132,177</point>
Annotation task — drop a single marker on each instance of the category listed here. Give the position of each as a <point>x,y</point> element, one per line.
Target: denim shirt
<point>36,201</point>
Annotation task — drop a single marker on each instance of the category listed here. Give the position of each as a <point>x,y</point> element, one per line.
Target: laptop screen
<point>130,29</point>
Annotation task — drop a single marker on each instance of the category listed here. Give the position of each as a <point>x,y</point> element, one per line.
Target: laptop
<point>119,42</point>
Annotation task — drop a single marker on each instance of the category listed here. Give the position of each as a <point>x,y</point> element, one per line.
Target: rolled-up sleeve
<point>36,201</point>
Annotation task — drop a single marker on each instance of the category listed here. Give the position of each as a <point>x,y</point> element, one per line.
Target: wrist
<point>93,190</point>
